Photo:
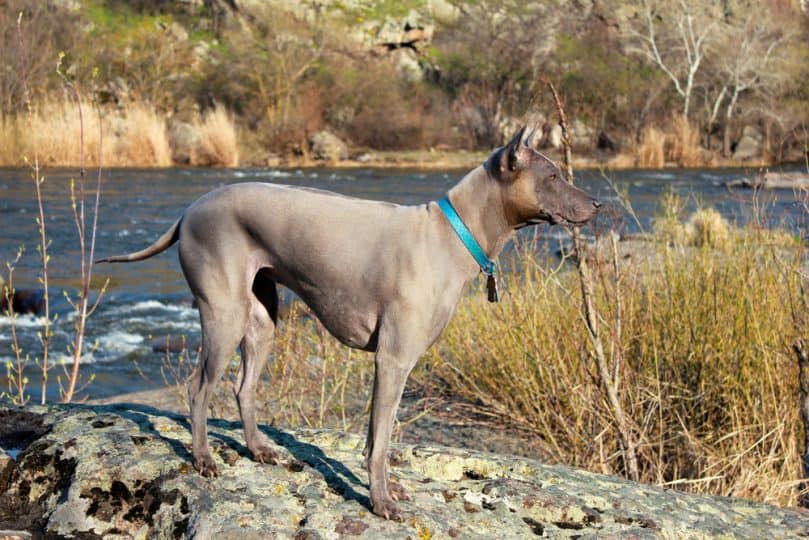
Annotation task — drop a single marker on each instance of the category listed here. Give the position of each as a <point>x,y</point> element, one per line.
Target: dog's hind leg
<point>222,329</point>
<point>255,347</point>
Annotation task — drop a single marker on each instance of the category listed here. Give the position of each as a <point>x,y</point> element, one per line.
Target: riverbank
<point>429,159</point>
<point>465,159</point>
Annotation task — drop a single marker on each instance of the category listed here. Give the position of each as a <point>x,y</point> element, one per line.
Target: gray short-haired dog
<point>380,277</point>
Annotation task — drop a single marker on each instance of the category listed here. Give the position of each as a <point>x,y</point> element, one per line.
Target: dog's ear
<point>513,149</point>
<point>507,159</point>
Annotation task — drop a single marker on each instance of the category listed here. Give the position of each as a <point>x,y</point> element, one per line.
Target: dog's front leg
<point>395,357</point>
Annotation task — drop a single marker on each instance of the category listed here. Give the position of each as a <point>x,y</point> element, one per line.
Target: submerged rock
<point>125,470</point>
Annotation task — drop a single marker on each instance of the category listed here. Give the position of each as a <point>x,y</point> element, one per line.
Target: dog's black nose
<point>597,204</point>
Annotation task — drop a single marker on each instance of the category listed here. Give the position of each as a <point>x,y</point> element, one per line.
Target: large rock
<point>183,139</point>
<point>124,471</point>
<point>328,147</point>
<point>749,146</point>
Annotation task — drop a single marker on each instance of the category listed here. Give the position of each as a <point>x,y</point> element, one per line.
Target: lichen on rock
<point>124,471</point>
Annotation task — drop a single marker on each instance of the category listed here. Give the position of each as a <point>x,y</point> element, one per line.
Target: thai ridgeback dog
<point>381,277</point>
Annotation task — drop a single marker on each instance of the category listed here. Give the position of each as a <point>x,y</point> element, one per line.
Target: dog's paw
<point>205,465</point>
<point>265,454</point>
<point>398,492</point>
<point>388,509</point>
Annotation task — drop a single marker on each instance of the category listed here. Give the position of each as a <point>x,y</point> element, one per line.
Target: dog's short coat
<point>380,277</point>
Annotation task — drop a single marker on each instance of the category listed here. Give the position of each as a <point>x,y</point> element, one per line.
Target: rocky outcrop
<point>327,146</point>
<point>124,471</point>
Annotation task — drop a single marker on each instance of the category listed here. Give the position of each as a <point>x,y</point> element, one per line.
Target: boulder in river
<point>772,180</point>
<point>23,301</point>
<point>124,470</point>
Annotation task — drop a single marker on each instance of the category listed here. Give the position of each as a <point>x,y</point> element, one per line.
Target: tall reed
<point>650,151</point>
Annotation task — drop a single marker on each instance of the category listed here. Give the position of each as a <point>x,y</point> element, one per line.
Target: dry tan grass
<point>678,143</point>
<point>135,138</point>
<point>650,152</point>
<point>55,132</point>
<point>141,140</point>
<point>701,341</point>
<point>9,153</point>
<point>218,143</point>
<point>682,143</point>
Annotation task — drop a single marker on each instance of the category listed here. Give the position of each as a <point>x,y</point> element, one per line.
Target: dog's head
<point>533,187</point>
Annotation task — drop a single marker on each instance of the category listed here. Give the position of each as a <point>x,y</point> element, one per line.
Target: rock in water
<point>23,301</point>
<point>125,470</point>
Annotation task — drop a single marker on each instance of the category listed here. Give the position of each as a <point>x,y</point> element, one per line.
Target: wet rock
<point>173,344</point>
<point>124,470</point>
<point>23,301</point>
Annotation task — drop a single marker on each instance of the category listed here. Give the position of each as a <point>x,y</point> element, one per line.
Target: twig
<point>83,309</point>
<point>45,336</point>
<point>15,373</point>
<point>801,348</point>
<point>591,315</point>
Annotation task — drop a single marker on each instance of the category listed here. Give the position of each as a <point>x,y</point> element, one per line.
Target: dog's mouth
<point>552,219</point>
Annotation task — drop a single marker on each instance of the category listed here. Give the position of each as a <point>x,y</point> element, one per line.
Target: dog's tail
<point>160,245</point>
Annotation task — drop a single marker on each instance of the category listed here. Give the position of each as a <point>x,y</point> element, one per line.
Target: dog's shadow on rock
<point>337,476</point>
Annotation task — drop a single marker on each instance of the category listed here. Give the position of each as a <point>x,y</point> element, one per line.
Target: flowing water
<point>147,301</point>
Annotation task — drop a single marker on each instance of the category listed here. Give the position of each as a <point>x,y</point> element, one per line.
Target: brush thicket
<point>699,337</point>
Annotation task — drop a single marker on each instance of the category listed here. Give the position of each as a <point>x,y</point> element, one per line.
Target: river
<point>148,301</point>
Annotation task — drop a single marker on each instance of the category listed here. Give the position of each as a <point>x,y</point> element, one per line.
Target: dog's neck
<point>477,199</point>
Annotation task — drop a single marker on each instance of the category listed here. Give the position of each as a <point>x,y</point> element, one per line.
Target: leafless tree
<point>749,57</point>
<point>675,37</point>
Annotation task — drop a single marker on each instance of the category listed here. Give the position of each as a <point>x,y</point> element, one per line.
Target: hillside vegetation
<point>649,83</point>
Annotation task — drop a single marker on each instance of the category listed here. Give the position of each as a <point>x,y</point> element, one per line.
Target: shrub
<point>707,227</point>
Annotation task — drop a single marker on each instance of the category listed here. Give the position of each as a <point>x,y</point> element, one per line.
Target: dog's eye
<point>552,177</point>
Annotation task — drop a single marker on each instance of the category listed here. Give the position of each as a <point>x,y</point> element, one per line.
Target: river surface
<point>148,301</point>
